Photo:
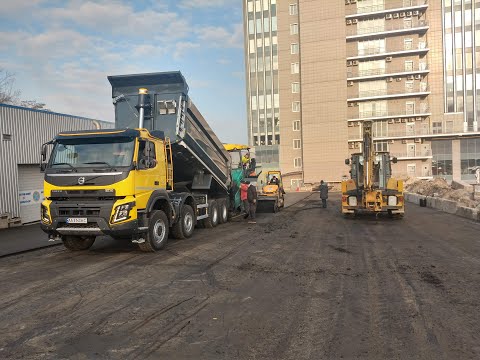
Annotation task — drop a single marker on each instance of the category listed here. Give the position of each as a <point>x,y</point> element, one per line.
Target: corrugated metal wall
<point>28,129</point>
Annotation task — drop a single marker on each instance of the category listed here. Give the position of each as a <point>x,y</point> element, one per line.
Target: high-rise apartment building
<point>411,66</point>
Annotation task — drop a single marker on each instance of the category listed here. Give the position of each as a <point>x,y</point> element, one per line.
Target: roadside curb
<point>444,205</point>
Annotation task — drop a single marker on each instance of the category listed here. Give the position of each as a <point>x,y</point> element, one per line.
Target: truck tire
<point>183,228</point>
<point>157,234</point>
<point>212,219</point>
<point>222,211</point>
<point>78,243</point>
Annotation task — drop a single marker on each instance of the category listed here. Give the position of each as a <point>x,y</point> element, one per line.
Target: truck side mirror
<point>394,160</point>
<point>347,161</point>
<point>44,152</point>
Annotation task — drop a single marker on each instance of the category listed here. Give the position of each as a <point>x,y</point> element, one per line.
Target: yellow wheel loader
<point>371,187</point>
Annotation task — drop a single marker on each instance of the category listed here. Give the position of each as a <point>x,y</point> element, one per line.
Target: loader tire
<point>212,220</point>
<point>157,234</point>
<point>78,243</point>
<point>183,228</point>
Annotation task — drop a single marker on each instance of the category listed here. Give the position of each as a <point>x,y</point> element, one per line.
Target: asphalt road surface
<point>304,283</point>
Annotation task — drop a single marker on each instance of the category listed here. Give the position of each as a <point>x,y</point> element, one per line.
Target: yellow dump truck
<point>271,194</point>
<point>371,187</point>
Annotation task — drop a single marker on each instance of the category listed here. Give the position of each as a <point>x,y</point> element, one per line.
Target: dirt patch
<point>340,249</point>
<point>430,278</point>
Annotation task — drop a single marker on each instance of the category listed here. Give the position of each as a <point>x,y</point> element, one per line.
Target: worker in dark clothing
<point>323,193</point>
<point>274,181</point>
<point>252,202</point>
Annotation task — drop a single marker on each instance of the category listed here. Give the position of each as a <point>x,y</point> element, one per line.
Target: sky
<point>62,51</point>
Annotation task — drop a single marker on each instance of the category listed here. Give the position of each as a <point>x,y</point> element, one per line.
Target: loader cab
<point>382,170</point>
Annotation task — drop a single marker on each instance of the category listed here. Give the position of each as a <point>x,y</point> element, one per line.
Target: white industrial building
<point>22,133</point>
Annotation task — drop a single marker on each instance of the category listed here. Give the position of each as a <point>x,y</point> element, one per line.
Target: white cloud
<point>12,8</point>
<point>222,37</point>
<point>118,19</point>
<point>182,47</point>
<point>205,3</point>
<point>223,61</point>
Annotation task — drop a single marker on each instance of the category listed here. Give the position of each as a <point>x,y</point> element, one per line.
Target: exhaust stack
<point>142,94</point>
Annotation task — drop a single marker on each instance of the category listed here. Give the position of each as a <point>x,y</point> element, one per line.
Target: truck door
<point>149,175</point>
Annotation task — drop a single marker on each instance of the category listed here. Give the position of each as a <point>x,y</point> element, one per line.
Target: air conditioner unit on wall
<point>404,141</point>
<point>398,120</point>
<point>402,14</point>
<point>391,141</point>
<point>389,79</point>
<point>395,15</point>
<point>349,63</point>
<point>418,140</point>
<point>388,16</point>
<point>388,59</point>
<point>418,76</point>
<point>410,77</point>
<point>351,145</point>
<point>350,104</point>
<point>355,62</point>
<point>354,21</point>
<point>404,120</point>
<point>391,121</point>
<point>350,124</point>
<point>357,145</point>
<point>349,83</point>
<point>409,13</point>
<point>349,22</point>
<point>398,79</point>
<point>418,119</point>
<point>416,13</point>
<point>353,1</point>
<point>347,2</point>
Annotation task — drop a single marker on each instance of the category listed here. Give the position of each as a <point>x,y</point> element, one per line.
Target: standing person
<point>323,193</point>
<point>243,197</point>
<point>252,202</point>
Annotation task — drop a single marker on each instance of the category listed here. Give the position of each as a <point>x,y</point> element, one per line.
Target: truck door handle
<point>157,183</point>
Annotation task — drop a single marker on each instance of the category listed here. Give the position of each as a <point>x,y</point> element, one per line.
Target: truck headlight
<point>122,212</point>
<point>352,201</point>
<point>44,214</point>
<point>392,200</point>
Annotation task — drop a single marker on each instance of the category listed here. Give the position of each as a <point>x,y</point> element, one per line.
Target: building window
<point>409,86</point>
<point>297,162</point>
<point>293,9</point>
<point>297,144</point>
<point>380,129</point>
<point>442,159</point>
<point>296,106</point>
<point>381,146</point>
<point>409,65</point>
<point>437,127</point>
<point>293,29</point>
<point>408,44</point>
<point>295,88</point>
<point>250,6</point>
<point>470,158</point>
<point>295,68</point>
<point>7,137</point>
<point>294,48</point>
<point>296,125</point>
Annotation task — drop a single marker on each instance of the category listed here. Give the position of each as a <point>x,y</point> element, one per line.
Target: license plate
<point>76,220</point>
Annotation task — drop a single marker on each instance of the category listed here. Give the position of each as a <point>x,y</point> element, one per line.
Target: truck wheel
<point>78,243</point>
<point>157,234</point>
<point>183,228</point>
<point>212,219</point>
<point>222,211</point>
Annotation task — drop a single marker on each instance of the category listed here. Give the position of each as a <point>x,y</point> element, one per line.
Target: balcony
<point>418,133</point>
<point>391,7</point>
<point>377,94</point>
<point>379,73</point>
<point>386,115</point>
<point>413,155</point>
<point>390,28</point>
<point>375,53</point>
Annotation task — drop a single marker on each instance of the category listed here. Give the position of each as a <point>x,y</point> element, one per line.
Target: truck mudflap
<point>94,227</point>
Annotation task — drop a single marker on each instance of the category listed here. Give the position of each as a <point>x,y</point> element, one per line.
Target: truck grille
<point>91,211</point>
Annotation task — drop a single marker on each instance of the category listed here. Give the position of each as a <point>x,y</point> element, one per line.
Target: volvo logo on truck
<point>81,180</point>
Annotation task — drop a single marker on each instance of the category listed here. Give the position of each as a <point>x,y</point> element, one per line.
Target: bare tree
<point>8,95</point>
<point>11,96</point>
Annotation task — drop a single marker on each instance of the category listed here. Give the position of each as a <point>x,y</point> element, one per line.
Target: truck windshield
<point>77,153</point>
